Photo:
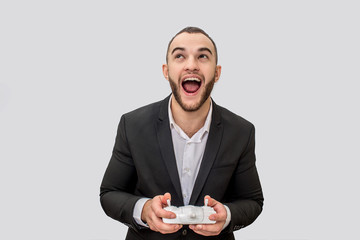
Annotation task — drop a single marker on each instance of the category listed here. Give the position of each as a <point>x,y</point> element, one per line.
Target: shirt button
<point>184,232</point>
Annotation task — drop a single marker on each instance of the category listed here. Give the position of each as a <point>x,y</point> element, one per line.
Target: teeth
<point>192,79</point>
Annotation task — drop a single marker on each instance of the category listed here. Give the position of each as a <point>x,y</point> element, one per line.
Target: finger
<point>211,202</point>
<point>165,197</point>
<point>164,227</point>
<point>157,208</point>
<point>206,227</point>
<point>199,230</point>
<point>168,228</point>
<point>156,224</point>
<point>207,230</point>
<point>161,213</point>
<point>220,214</point>
<point>219,208</point>
<point>218,217</point>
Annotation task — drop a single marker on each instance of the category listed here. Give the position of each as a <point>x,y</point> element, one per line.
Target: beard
<point>175,88</point>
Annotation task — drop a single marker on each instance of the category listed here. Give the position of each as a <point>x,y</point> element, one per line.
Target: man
<point>184,148</point>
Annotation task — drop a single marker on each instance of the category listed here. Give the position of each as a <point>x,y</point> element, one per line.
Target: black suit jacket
<point>143,165</point>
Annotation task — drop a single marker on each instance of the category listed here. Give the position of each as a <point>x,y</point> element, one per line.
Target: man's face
<point>191,69</point>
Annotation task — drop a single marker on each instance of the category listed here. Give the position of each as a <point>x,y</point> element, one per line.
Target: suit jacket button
<point>184,232</point>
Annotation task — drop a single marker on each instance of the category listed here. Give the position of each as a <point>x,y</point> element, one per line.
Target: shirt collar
<point>202,131</point>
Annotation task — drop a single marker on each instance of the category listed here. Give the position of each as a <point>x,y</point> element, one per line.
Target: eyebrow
<point>177,48</point>
<point>199,50</point>
<point>205,49</point>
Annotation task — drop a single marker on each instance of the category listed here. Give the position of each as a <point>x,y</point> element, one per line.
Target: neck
<point>190,122</point>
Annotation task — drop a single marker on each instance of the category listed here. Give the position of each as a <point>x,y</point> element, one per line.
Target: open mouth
<point>191,85</point>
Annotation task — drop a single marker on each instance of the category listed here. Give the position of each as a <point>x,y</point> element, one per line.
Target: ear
<point>165,70</point>
<point>217,72</point>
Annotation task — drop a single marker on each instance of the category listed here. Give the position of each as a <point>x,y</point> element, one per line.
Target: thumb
<point>165,197</point>
<point>211,202</point>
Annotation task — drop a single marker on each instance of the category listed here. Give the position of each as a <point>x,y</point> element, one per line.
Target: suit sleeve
<point>116,191</point>
<point>245,193</point>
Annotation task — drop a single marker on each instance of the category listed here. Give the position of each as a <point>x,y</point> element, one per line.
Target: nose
<point>191,64</point>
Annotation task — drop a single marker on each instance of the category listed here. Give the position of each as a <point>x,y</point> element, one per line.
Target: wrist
<point>138,211</point>
<point>228,217</point>
<point>144,210</point>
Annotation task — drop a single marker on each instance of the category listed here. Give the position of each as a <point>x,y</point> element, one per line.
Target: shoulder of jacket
<point>232,119</point>
<point>145,114</point>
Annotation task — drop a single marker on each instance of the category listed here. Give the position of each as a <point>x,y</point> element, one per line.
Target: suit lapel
<point>211,149</point>
<point>166,146</point>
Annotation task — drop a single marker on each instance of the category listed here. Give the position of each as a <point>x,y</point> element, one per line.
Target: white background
<point>70,69</point>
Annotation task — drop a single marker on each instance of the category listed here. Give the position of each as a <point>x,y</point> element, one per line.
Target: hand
<point>219,217</point>
<point>153,213</point>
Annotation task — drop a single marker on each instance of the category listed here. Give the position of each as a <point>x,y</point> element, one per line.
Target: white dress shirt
<point>188,154</point>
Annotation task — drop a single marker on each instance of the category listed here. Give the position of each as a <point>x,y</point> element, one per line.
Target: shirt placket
<point>187,172</point>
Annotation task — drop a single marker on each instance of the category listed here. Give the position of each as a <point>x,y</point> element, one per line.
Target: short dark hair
<point>192,30</point>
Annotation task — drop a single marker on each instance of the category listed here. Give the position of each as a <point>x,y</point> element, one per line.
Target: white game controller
<point>190,214</point>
